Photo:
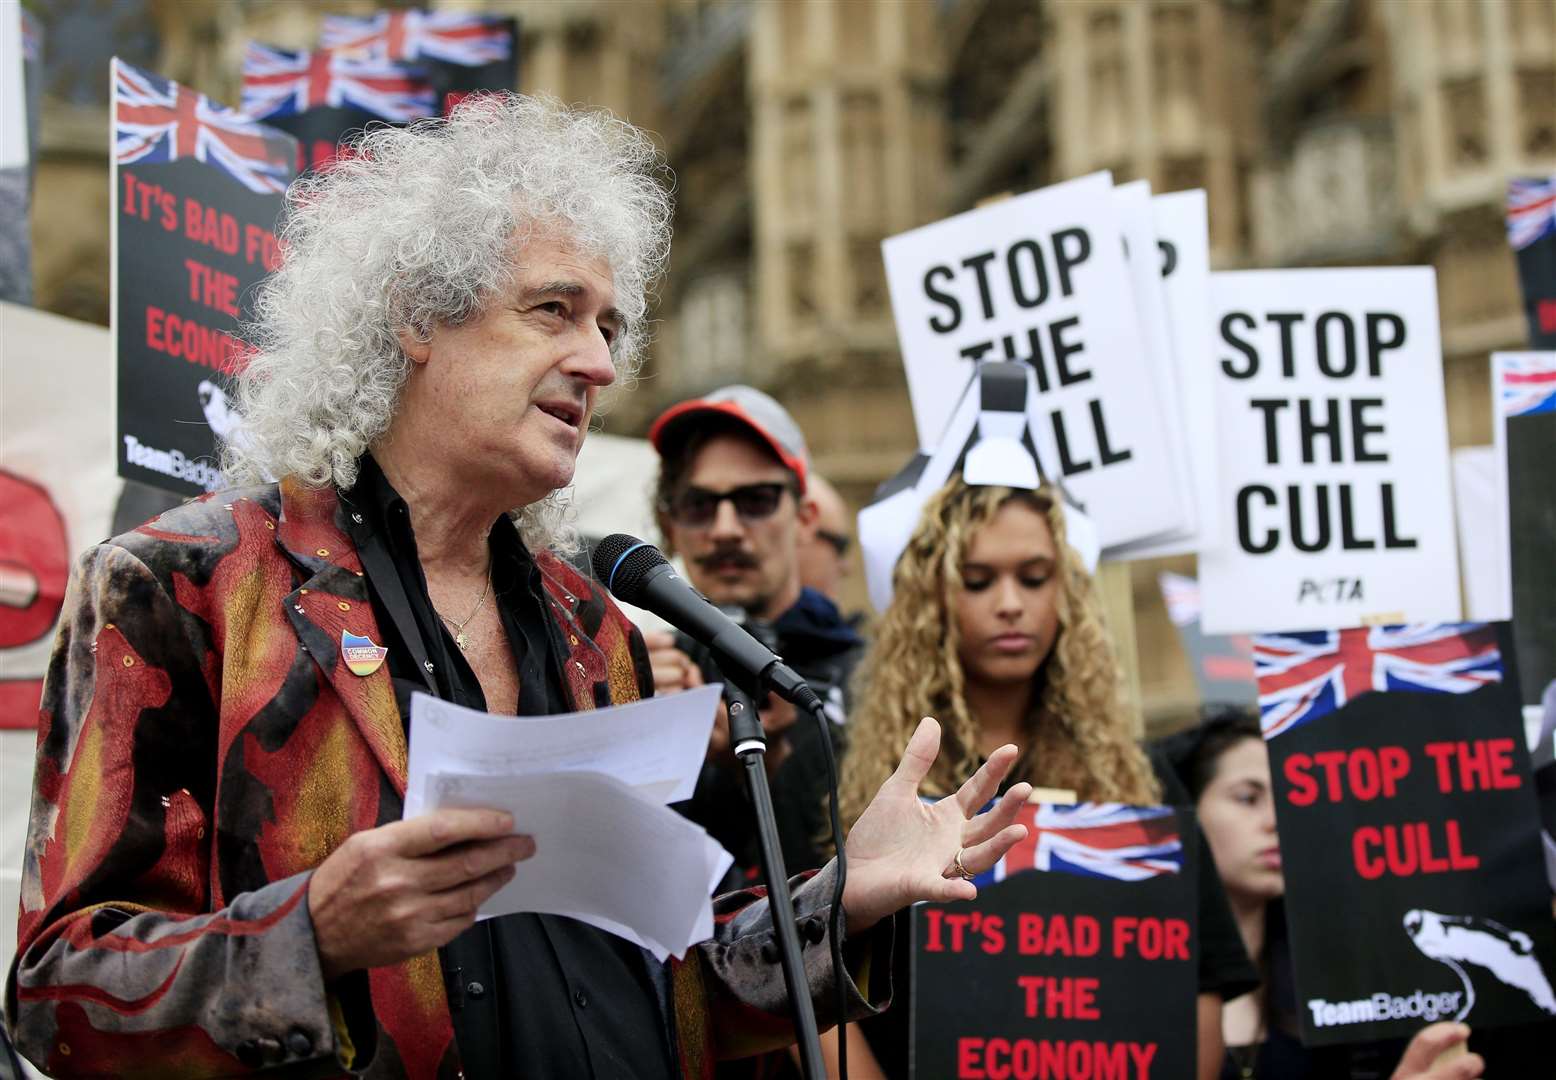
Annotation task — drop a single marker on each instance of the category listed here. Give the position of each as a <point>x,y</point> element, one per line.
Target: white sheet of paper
<point>656,745</point>
<point>604,854</point>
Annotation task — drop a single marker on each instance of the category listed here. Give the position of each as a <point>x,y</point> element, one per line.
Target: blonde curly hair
<point>1079,733</point>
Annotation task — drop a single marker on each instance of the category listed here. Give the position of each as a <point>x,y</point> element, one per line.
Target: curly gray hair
<point>414,229</point>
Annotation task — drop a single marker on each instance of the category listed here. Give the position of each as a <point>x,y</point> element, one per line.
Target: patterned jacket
<point>202,746</point>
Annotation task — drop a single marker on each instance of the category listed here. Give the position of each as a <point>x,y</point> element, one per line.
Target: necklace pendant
<point>461,641</point>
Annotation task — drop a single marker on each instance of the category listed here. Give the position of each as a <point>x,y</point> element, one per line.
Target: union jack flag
<point>157,120</point>
<point>281,83</point>
<point>1528,383</point>
<point>1303,676</point>
<point>1531,210</point>
<point>1106,840</point>
<point>451,36</point>
<point>1182,596</point>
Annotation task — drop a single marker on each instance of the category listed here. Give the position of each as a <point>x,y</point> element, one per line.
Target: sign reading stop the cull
<point>1041,279</point>
<point>1333,445</point>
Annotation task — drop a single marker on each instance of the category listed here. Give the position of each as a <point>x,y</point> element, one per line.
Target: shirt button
<point>299,1044</point>
<point>580,999</point>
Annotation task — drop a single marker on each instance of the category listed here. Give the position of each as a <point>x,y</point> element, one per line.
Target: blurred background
<point>801,133</point>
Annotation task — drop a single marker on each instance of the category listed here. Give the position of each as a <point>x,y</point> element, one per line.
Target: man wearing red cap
<point>732,501</point>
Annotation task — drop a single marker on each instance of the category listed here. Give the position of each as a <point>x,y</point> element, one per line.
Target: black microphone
<point>637,572</point>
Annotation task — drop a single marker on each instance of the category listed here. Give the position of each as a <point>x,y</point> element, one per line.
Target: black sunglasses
<point>753,502</point>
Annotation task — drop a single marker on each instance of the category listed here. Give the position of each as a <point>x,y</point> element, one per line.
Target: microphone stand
<point>750,743</point>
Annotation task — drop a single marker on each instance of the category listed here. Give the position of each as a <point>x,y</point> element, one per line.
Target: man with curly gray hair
<point>217,877</point>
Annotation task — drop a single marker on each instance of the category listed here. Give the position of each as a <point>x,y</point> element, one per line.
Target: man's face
<point>511,391</point>
<point>749,561</point>
<point>823,557</point>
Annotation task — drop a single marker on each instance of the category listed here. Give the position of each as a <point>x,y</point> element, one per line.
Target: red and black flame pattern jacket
<point>202,746</point>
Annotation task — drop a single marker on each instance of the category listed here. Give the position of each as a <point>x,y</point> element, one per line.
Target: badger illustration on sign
<point>218,413</point>
<point>1469,939</point>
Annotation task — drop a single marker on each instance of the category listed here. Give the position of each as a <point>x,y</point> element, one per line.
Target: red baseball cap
<point>756,410</point>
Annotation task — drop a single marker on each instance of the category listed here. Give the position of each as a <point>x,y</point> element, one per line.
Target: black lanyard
<point>382,575</point>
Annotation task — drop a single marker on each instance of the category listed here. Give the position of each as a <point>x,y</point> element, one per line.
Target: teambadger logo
<point>1456,940</point>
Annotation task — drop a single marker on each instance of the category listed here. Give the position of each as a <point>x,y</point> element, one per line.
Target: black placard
<point>1415,889</point>
<point>192,244</point>
<point>1050,975</point>
<point>1533,238</point>
<point>1531,501</point>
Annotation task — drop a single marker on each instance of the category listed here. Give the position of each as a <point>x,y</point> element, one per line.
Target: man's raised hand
<point>902,849</point>
<point>403,889</point>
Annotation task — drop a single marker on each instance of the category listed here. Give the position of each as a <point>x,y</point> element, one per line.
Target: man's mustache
<point>741,560</point>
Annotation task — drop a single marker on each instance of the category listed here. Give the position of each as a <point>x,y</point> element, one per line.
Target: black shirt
<point>530,995</point>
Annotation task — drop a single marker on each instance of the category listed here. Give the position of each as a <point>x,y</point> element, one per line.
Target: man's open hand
<point>403,889</point>
<point>902,849</point>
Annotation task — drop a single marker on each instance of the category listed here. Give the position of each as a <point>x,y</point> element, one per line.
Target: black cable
<point>835,930</point>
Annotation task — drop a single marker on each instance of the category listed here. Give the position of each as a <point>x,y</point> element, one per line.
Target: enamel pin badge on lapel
<point>360,654</point>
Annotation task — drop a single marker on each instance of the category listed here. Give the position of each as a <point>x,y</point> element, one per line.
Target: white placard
<point>1480,507</point>
<point>1138,222</point>
<point>1039,278</point>
<point>1183,239</point>
<point>1335,489</point>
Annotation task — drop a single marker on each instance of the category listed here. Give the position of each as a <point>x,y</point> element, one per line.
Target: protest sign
<point>322,97</point>
<point>1524,429</point>
<point>1079,962</point>
<point>1334,478</point>
<point>1137,221</point>
<point>1183,243</point>
<point>20,75</point>
<point>1223,664</point>
<point>57,485</point>
<point>1036,279</point>
<point>1409,832</point>
<point>197,191</point>
<point>1480,510</point>
<point>459,52</point>
<point>1531,230</point>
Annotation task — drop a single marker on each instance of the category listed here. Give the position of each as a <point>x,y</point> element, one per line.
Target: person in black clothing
<point>733,502</point>
<point>219,877</point>
<point>1222,768</point>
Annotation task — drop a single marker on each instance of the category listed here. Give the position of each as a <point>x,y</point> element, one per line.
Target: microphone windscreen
<point>622,561</point>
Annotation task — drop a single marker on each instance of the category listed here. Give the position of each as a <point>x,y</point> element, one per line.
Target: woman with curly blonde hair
<point>995,628</point>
